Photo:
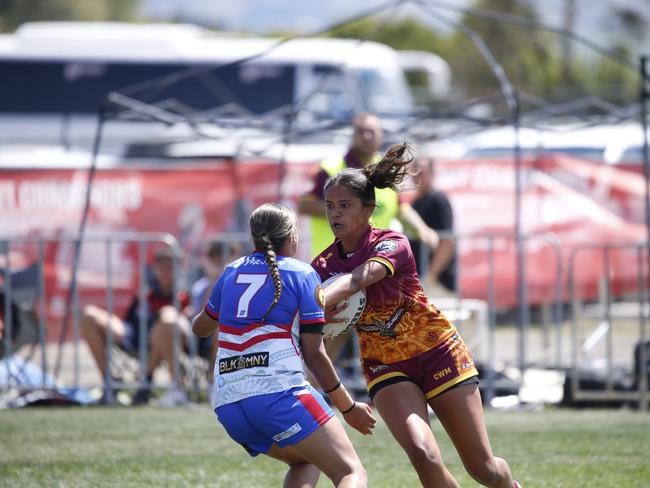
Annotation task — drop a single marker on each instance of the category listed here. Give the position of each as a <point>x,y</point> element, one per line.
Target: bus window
<point>79,87</point>
<point>384,93</point>
<point>328,95</point>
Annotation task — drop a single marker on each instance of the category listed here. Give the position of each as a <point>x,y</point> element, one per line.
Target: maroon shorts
<point>434,371</point>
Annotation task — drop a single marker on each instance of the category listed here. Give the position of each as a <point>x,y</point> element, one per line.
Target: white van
<point>620,145</point>
<point>57,74</point>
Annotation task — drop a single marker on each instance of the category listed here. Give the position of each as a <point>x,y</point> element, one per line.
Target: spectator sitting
<point>15,324</point>
<point>214,259</point>
<point>161,319</point>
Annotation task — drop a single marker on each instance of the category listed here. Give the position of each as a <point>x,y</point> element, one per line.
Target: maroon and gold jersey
<point>398,322</point>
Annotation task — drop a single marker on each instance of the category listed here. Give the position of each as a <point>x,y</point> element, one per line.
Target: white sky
<point>301,16</point>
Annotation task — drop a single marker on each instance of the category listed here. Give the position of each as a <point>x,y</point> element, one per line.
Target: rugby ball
<point>351,314</point>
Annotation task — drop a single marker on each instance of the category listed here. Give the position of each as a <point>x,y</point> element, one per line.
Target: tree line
<point>537,62</point>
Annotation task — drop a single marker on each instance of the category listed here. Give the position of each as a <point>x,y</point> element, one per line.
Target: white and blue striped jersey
<point>257,357</point>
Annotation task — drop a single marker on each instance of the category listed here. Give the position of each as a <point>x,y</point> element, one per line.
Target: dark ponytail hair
<point>389,172</point>
<point>271,225</point>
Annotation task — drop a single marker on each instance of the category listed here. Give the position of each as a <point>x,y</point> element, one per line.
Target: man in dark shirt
<point>437,269</point>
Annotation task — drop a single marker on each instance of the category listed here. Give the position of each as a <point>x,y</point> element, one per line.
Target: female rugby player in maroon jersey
<point>411,355</point>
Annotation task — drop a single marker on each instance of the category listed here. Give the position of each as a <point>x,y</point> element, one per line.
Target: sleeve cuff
<point>312,328</point>
<point>386,263</point>
<point>212,314</point>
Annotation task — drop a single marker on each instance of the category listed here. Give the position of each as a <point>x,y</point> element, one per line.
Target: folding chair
<point>22,297</point>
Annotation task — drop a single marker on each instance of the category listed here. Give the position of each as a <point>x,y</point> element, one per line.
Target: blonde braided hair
<point>271,225</point>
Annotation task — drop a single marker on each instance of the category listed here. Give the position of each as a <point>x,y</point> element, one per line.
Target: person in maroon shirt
<point>411,355</point>
<point>161,320</point>
<point>367,139</point>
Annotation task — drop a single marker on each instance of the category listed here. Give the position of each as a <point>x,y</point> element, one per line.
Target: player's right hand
<point>333,311</point>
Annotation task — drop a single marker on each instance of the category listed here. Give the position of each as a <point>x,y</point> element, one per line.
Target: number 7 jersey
<point>255,357</point>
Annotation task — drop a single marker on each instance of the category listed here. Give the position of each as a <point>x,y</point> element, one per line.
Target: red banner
<point>189,200</point>
<point>570,202</point>
<point>561,218</point>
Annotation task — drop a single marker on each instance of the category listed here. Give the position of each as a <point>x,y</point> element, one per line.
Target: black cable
<point>76,257</point>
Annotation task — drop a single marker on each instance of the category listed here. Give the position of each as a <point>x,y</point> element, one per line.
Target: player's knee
<point>361,476</point>
<point>484,471</point>
<point>424,457</point>
<point>89,317</point>
<point>168,315</point>
<point>355,475</point>
<point>359,471</point>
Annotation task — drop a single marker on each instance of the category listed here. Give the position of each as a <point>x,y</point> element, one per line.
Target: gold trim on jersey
<point>383,377</point>
<point>385,262</point>
<point>320,296</point>
<point>450,383</point>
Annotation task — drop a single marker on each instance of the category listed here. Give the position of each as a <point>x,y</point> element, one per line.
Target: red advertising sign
<point>188,200</point>
<point>561,219</point>
<point>566,203</point>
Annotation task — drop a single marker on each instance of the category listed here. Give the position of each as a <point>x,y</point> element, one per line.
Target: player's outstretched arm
<point>360,278</point>
<point>357,414</point>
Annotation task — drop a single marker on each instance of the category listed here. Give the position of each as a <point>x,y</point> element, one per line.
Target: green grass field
<point>128,447</point>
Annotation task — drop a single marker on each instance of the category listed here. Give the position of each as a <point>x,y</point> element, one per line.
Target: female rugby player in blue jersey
<point>268,311</point>
<point>411,355</point>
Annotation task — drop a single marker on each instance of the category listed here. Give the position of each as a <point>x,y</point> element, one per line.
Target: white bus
<point>55,75</point>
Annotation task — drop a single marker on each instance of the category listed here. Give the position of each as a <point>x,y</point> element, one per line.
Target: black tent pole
<point>644,96</point>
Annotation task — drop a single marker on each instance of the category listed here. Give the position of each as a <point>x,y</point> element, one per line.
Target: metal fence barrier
<point>606,378</point>
<point>486,311</point>
<point>31,288</point>
<point>476,318</point>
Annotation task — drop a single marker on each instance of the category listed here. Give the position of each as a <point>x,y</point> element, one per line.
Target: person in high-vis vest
<point>367,139</point>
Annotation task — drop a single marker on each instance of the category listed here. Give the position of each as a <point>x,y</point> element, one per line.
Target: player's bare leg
<point>461,414</point>
<point>330,450</point>
<point>302,473</point>
<point>404,409</point>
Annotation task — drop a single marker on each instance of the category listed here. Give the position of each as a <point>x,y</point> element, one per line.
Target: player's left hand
<point>361,418</point>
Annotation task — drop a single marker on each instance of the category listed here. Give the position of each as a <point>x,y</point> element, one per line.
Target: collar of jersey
<point>258,251</point>
<point>348,255</point>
